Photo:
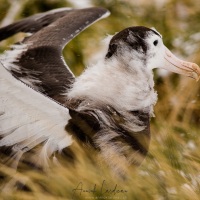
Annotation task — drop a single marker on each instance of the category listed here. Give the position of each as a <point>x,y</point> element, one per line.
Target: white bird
<point>44,108</point>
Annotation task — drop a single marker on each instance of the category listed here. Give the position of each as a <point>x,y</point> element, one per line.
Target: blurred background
<point>172,167</point>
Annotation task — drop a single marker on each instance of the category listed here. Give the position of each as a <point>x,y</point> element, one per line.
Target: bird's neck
<point>125,87</point>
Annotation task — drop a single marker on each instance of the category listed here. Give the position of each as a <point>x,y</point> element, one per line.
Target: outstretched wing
<point>28,118</point>
<point>33,23</point>
<point>37,60</point>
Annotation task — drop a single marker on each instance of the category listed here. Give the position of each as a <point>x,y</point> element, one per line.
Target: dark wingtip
<point>38,21</point>
<point>102,11</point>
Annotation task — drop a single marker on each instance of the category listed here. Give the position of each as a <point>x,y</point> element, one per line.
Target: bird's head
<point>143,47</point>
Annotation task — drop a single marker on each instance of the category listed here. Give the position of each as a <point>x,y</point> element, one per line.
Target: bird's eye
<point>155,42</point>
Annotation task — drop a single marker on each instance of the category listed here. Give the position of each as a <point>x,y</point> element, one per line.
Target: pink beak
<point>176,65</point>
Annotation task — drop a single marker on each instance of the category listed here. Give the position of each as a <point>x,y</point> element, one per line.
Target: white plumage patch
<point>28,118</point>
<point>112,82</point>
<point>11,56</point>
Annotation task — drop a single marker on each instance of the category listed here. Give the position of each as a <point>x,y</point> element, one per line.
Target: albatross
<point>44,108</point>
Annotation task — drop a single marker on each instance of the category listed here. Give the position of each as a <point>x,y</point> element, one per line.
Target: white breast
<point>109,83</point>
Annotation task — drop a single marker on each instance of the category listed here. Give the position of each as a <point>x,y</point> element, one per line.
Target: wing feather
<point>28,118</point>
<point>38,61</point>
<point>33,23</point>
